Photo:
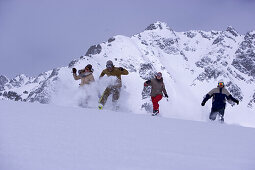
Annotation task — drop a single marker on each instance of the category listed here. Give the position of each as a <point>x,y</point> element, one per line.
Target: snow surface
<point>49,137</point>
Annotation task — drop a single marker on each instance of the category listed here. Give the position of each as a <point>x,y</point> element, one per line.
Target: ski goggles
<point>159,74</point>
<point>220,84</point>
<point>109,65</point>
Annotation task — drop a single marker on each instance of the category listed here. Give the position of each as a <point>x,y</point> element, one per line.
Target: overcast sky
<point>39,35</point>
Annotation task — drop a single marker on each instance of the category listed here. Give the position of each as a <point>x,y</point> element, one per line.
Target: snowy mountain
<point>191,63</point>
<point>49,137</point>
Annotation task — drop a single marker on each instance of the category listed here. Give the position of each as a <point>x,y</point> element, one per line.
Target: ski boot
<point>221,119</point>
<point>155,112</point>
<point>100,106</point>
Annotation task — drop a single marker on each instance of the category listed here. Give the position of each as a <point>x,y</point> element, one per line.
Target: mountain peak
<point>157,25</point>
<point>231,30</point>
<point>252,32</point>
<point>20,77</point>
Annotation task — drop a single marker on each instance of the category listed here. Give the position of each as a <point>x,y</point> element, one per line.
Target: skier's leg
<point>221,114</point>
<point>115,94</point>
<point>115,97</point>
<point>87,99</point>
<point>155,101</point>
<point>105,95</point>
<point>84,102</point>
<point>213,115</point>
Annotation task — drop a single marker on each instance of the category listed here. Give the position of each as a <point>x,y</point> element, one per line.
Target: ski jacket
<point>117,72</point>
<point>219,98</point>
<point>157,86</point>
<point>86,78</point>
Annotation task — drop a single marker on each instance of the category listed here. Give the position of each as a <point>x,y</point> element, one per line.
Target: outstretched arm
<point>233,99</point>
<point>230,97</point>
<point>164,91</point>
<point>102,74</point>
<point>207,97</point>
<point>123,71</point>
<point>75,75</point>
<point>147,83</point>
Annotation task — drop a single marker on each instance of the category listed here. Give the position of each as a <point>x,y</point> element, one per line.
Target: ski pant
<point>215,112</point>
<point>155,101</point>
<point>84,101</point>
<point>115,91</point>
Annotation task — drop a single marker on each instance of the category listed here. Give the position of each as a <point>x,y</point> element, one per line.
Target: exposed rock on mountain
<point>193,60</point>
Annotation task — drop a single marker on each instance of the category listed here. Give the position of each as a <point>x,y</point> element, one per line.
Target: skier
<point>114,89</point>
<point>219,94</point>
<point>157,87</point>
<point>86,75</point>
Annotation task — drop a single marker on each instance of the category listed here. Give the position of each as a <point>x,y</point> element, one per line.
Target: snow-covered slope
<point>50,137</point>
<point>191,62</point>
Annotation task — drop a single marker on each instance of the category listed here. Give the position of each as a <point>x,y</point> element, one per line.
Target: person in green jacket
<point>115,88</point>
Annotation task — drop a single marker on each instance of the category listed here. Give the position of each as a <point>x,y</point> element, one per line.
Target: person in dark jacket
<point>219,94</point>
<point>157,87</point>
<point>114,89</point>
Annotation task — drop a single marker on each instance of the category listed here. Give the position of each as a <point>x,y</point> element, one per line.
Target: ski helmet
<point>109,64</point>
<point>220,83</point>
<point>89,67</point>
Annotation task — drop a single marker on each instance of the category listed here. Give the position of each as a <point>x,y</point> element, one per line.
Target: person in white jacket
<point>85,75</point>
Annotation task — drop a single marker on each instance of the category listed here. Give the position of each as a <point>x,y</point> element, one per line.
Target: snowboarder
<point>219,94</point>
<point>86,75</point>
<point>157,87</point>
<point>114,89</point>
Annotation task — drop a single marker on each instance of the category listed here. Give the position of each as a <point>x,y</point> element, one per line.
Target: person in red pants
<point>157,91</point>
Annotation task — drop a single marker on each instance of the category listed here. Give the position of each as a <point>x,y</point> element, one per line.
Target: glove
<point>74,70</point>
<point>237,102</point>
<point>166,95</point>
<point>121,69</point>
<point>203,103</point>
